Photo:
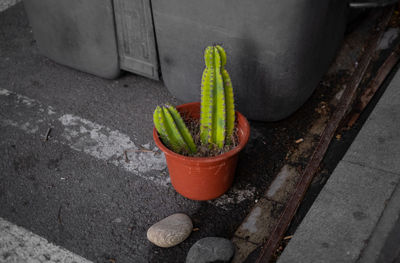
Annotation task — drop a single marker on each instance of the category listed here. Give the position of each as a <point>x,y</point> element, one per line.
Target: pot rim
<point>246,128</point>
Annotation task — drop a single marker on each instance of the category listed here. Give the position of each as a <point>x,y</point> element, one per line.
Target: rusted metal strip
<point>346,100</point>
<point>374,85</point>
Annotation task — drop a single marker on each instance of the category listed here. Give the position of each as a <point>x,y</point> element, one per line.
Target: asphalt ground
<point>77,189</point>
<point>71,189</point>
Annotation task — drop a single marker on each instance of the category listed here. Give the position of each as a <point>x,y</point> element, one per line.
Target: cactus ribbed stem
<point>219,113</point>
<point>159,123</point>
<point>184,131</point>
<point>173,130</point>
<point>178,143</point>
<point>207,99</point>
<point>229,100</point>
<point>217,106</point>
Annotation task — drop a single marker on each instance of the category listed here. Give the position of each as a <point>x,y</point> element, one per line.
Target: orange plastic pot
<point>203,178</point>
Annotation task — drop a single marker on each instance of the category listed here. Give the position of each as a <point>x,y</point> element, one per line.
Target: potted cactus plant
<point>202,161</point>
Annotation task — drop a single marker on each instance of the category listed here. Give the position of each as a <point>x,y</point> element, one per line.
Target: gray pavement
<point>356,216</point>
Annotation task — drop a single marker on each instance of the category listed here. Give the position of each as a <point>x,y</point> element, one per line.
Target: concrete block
<point>378,143</point>
<point>260,221</point>
<point>136,41</point>
<point>377,247</point>
<point>243,249</point>
<point>277,50</point>
<point>343,216</point>
<point>78,34</point>
<point>284,184</point>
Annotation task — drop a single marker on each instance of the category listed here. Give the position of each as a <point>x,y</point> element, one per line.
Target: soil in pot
<point>203,150</point>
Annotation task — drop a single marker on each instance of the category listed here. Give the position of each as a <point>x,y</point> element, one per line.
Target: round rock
<point>211,249</point>
<point>170,231</point>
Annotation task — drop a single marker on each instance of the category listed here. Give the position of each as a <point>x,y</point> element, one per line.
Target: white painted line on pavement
<point>95,140</point>
<point>84,136</point>
<point>5,4</point>
<point>20,245</point>
<point>106,144</point>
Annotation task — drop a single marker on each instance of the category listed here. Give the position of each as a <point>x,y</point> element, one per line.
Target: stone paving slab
<point>384,229</point>
<point>378,143</point>
<point>353,217</point>
<point>343,216</point>
<point>391,248</point>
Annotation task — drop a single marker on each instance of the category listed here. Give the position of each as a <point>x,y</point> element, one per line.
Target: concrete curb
<point>350,220</point>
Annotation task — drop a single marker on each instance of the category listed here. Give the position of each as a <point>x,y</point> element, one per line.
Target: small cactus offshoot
<point>173,131</point>
<point>217,119</point>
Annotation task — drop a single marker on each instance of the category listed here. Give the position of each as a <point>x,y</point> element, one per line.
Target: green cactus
<point>217,117</point>
<point>180,124</point>
<point>173,130</point>
<point>229,100</point>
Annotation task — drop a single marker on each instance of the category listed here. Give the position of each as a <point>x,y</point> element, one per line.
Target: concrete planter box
<point>277,50</point>
<point>75,33</point>
<point>96,36</point>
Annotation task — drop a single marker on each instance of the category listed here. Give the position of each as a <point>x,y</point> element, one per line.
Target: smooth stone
<point>170,231</point>
<point>211,249</point>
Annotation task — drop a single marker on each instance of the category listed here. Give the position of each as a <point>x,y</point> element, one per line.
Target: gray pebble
<point>211,249</point>
<point>170,231</point>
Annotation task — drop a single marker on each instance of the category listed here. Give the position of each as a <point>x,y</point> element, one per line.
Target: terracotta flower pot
<point>203,178</point>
